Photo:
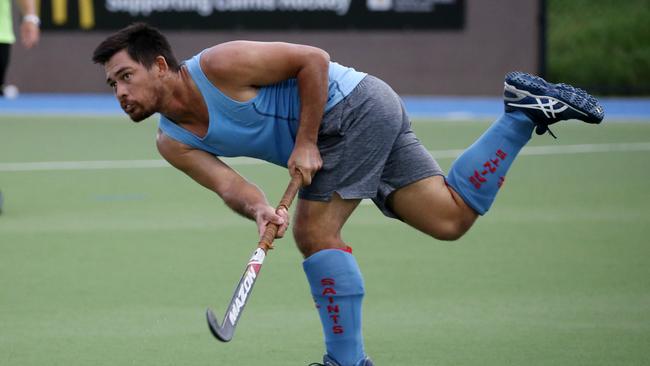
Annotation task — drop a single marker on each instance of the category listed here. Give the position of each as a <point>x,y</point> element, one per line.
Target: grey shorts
<point>368,148</point>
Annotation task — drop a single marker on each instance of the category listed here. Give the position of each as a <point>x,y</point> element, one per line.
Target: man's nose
<point>120,91</point>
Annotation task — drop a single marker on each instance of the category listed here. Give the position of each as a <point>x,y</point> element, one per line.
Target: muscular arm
<point>241,66</point>
<point>239,194</point>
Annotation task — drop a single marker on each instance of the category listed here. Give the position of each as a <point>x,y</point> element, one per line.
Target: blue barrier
<point>461,108</point>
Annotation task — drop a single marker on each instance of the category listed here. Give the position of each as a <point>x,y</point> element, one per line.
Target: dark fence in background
<point>433,47</point>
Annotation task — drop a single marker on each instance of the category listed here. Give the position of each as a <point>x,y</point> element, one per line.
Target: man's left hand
<point>267,215</point>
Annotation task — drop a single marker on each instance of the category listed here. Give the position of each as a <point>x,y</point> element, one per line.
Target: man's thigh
<point>433,207</point>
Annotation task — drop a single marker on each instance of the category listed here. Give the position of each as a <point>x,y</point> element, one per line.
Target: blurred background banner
<point>465,49</point>
<point>420,47</point>
<point>253,14</point>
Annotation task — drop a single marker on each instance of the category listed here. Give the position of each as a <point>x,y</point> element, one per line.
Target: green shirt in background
<point>6,22</point>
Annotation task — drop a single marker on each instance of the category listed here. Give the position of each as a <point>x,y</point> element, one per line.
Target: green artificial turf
<point>116,266</point>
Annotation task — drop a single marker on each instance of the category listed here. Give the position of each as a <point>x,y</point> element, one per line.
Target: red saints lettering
<point>332,308</point>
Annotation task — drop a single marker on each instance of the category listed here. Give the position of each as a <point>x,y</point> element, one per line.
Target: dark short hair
<point>142,42</point>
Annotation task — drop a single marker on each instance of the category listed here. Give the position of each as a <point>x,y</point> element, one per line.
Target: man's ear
<point>161,63</point>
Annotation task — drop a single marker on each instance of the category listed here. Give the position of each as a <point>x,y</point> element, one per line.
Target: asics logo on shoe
<point>549,106</point>
<point>543,101</point>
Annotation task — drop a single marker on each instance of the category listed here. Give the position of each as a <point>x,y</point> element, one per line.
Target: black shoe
<point>547,103</point>
<point>328,361</point>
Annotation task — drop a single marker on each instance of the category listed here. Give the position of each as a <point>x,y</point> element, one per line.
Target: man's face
<point>133,85</point>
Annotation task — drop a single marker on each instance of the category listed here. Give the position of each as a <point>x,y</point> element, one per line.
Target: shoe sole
<point>576,98</point>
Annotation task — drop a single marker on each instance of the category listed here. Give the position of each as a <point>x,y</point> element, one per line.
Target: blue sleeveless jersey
<point>264,127</point>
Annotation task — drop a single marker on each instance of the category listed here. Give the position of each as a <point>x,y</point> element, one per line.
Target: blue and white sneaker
<point>546,103</point>
<point>328,361</point>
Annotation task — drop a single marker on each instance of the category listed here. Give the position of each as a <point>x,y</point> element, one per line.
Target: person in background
<point>29,37</point>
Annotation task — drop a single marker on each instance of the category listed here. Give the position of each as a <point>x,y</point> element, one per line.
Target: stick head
<point>223,333</point>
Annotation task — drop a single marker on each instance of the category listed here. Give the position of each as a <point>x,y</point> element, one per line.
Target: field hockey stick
<point>224,332</point>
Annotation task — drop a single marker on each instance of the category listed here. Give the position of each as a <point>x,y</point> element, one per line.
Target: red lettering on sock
<point>491,168</point>
<point>479,178</point>
<point>327,282</point>
<point>333,308</point>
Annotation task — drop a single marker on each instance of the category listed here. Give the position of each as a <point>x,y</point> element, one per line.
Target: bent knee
<point>304,235</point>
<point>311,240</point>
<point>450,230</point>
<point>448,235</point>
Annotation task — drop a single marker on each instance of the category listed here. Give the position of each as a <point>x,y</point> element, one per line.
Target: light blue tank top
<point>264,127</point>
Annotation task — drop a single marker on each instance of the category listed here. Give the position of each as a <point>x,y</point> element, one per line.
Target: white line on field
<point>439,154</point>
<point>561,149</point>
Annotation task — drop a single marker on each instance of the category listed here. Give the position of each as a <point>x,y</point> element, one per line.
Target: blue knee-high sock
<point>337,288</point>
<point>479,172</point>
